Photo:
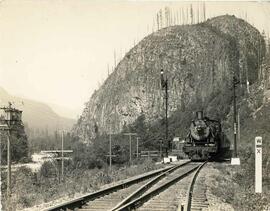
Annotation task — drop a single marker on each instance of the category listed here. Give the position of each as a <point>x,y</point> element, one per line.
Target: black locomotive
<point>205,139</point>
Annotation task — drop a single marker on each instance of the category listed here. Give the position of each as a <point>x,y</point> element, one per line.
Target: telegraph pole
<point>110,150</point>
<point>160,147</point>
<point>234,117</point>
<point>235,160</point>
<point>130,153</point>
<point>166,116</point>
<point>0,174</point>
<point>238,121</point>
<point>62,155</point>
<point>137,147</point>
<point>12,118</point>
<point>9,170</point>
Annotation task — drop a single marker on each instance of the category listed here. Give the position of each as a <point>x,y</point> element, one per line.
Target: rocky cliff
<point>199,61</point>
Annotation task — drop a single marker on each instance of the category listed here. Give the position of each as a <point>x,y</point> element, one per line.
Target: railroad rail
<point>200,199</point>
<point>109,198</point>
<point>162,196</point>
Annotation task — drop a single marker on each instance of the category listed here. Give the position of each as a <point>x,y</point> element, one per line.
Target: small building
<point>178,149</point>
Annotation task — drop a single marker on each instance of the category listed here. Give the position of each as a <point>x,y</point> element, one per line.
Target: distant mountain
<point>36,115</point>
<point>65,112</point>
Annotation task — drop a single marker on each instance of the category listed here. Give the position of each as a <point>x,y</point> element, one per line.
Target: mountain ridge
<point>200,61</point>
<point>36,115</point>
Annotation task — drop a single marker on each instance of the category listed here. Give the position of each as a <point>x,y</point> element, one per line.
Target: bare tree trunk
<point>187,15</point>
<point>153,26</point>
<point>171,17</point>
<point>158,21</point>
<point>191,14</point>
<point>204,12</point>
<point>114,56</point>
<point>174,18</point>
<point>178,17</point>
<point>166,11</point>
<point>161,19</point>
<point>183,15</point>
<point>198,14</point>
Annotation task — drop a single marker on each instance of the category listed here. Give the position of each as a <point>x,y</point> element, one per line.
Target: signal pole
<point>164,85</point>
<point>239,126</point>
<point>234,117</point>
<point>235,160</point>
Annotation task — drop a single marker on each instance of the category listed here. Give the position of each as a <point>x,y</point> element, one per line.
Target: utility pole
<point>12,118</point>
<point>235,160</point>
<point>130,153</point>
<point>9,171</point>
<point>62,155</point>
<point>164,85</point>
<point>238,123</point>
<point>110,150</point>
<point>130,150</point>
<point>0,174</point>
<point>160,147</point>
<point>137,147</point>
<point>234,118</point>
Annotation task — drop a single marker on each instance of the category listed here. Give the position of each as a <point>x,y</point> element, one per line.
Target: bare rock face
<point>199,60</point>
<point>249,42</point>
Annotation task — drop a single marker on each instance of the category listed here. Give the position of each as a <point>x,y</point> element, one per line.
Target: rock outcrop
<point>199,61</point>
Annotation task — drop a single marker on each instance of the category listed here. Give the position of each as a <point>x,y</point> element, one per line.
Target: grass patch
<point>30,189</point>
<point>235,184</point>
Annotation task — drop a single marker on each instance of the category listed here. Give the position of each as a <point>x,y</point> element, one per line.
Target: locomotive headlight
<point>161,72</point>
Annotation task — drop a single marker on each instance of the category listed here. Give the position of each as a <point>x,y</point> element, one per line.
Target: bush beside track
<point>31,189</point>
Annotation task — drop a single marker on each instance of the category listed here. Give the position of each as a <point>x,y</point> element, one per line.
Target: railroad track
<point>196,196</point>
<point>169,193</point>
<point>113,197</point>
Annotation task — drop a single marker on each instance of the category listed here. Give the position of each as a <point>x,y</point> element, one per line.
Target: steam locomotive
<point>205,139</point>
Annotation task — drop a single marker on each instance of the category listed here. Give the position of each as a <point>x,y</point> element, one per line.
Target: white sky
<point>57,51</point>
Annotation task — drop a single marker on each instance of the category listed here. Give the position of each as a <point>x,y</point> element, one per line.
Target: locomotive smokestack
<point>199,115</point>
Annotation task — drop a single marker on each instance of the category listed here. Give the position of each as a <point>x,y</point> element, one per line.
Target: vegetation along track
<point>115,196</point>
<point>169,193</point>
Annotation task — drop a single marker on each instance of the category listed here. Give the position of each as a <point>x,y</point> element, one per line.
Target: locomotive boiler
<point>205,139</point>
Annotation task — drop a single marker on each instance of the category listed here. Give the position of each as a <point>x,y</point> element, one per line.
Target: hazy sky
<point>58,51</point>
